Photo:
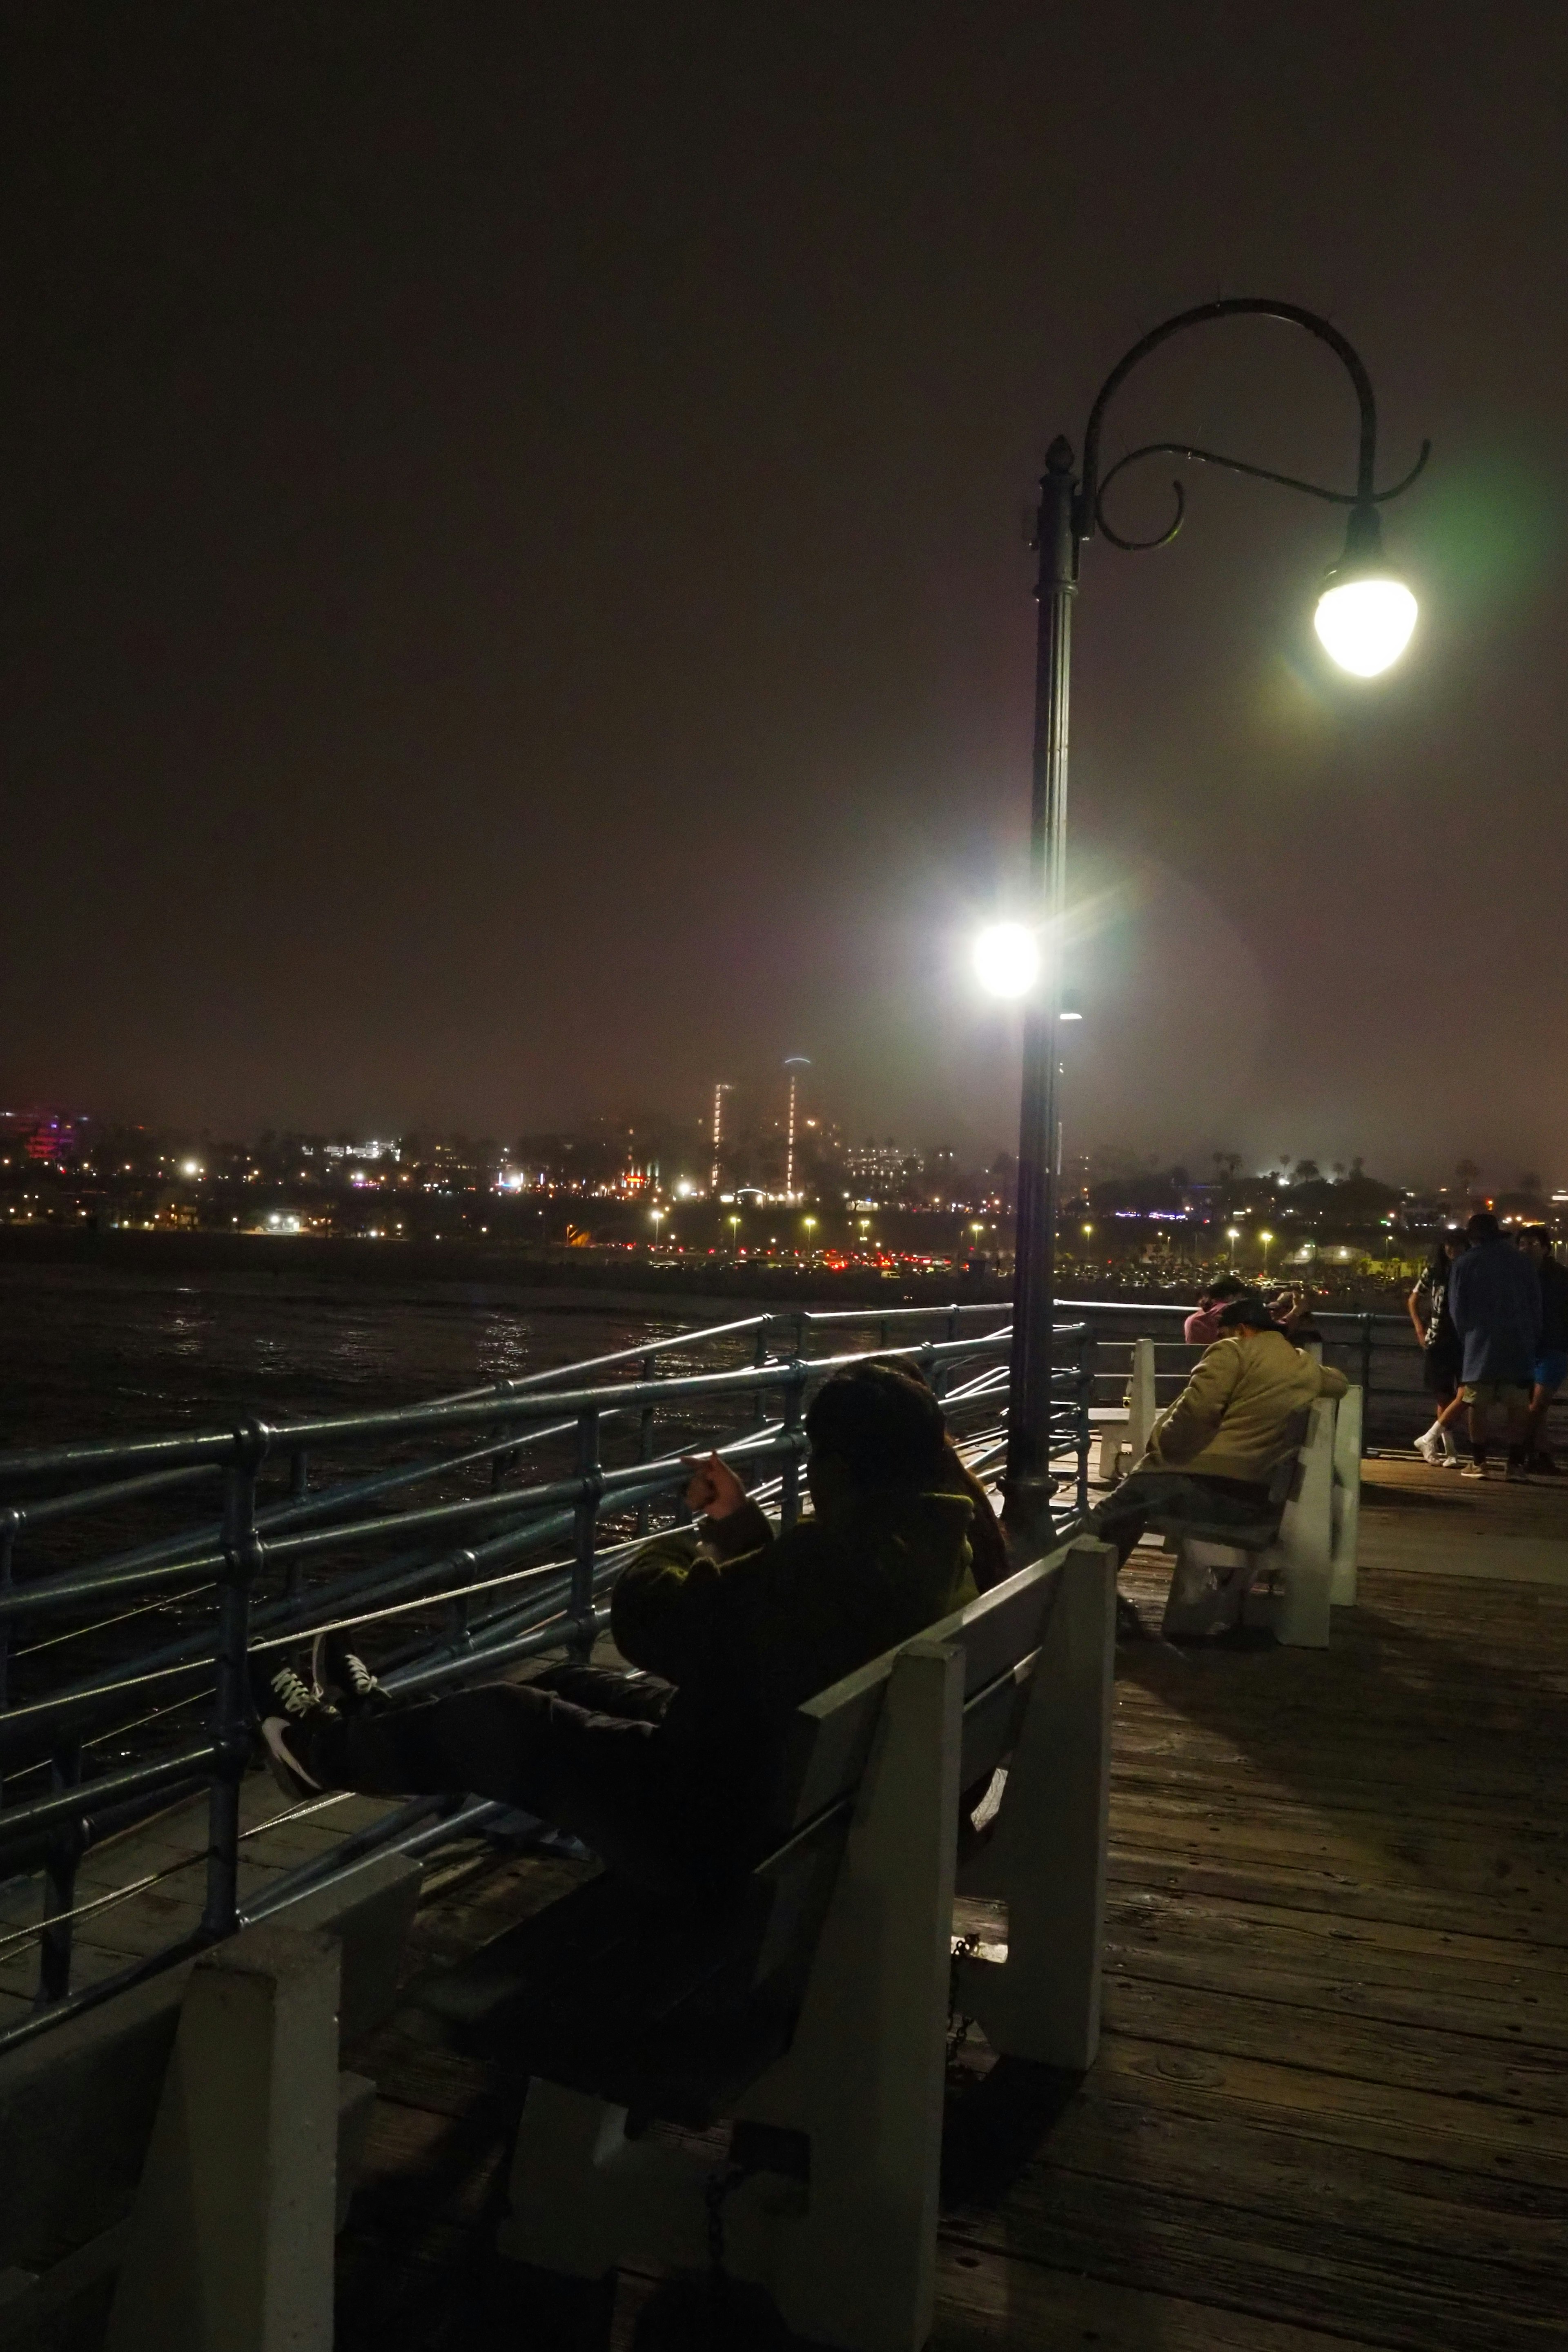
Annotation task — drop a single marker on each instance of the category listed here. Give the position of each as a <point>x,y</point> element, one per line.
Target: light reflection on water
<point>86,1354</point>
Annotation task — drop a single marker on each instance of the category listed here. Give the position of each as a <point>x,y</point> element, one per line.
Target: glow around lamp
<point>1365,613</point>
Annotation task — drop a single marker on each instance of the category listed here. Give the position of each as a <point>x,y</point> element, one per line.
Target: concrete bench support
<point>1346,1498</point>
<point>1047,1856</point>
<point>230,2243</point>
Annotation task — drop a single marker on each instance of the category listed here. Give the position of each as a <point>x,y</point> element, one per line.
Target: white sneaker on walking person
<point>1429,1445</point>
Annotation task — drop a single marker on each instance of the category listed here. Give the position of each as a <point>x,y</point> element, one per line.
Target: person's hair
<point>1542,1233</point>
<point>881,1423</point>
<point>1251,1310</point>
<point>1483,1226</point>
<point>1224,1286</point>
<point>1455,1241</point>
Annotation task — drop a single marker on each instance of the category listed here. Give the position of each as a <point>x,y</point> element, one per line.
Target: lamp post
<point>1364,619</point>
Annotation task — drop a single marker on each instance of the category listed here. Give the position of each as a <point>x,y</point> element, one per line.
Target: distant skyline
<point>510,574</point>
<point>1109,1156</point>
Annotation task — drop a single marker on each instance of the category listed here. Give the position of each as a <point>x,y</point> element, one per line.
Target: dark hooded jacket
<point>747,1622</point>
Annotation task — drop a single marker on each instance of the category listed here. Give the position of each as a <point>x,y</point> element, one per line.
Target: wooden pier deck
<point>1332,2105</point>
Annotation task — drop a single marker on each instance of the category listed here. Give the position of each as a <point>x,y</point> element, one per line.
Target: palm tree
<point>1467,1171</point>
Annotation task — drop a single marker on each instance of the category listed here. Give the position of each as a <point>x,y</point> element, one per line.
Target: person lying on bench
<point>1211,1456</point>
<point>668,1773</point>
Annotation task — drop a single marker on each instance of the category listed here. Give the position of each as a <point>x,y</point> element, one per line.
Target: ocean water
<point>87,1354</point>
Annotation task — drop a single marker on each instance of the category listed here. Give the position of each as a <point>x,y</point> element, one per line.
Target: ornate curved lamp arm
<point>1234,466</point>
<point>1087,514</point>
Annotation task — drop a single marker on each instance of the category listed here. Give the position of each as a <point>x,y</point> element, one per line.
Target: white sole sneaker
<point>1429,1450</point>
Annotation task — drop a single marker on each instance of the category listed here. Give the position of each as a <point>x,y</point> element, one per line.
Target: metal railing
<point>489,1566</point>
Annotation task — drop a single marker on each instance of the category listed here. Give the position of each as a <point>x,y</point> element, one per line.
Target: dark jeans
<point>583,1749</point>
<point>1176,1500</point>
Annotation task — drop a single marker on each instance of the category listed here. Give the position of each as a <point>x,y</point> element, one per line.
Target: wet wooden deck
<point>1332,2105</point>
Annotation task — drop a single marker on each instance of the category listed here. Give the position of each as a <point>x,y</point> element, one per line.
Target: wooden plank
<point>1338,1892</point>
<point>985,2300</point>
<point>1491,2028</point>
<point>1516,1978</point>
<point>1450,2132</point>
<point>1437,2212</point>
<point>1236,2022</point>
<point>1280,2266</point>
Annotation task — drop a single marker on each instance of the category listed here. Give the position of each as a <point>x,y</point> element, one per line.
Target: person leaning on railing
<point>667,1771</point>
<point>1211,1456</point>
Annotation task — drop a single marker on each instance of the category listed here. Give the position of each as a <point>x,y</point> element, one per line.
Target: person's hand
<point>714,1490</point>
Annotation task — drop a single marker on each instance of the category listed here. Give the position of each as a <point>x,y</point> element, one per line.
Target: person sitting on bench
<point>667,1773</point>
<point>1210,1456</point>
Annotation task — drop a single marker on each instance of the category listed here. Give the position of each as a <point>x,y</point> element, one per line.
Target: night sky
<point>515,604</point>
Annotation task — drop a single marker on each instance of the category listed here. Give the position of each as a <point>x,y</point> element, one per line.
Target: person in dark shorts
<point>670,1773</point>
<point>1494,1295</point>
<point>1551,1368</point>
<point>1211,1457</point>
<point>1441,1349</point>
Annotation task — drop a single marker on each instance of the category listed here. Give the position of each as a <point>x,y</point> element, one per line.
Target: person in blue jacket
<point>1494,1296</point>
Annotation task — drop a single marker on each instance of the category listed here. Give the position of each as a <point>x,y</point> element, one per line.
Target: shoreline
<point>559,1284</point>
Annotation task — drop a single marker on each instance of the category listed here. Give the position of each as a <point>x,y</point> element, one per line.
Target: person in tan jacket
<point>1210,1457</point>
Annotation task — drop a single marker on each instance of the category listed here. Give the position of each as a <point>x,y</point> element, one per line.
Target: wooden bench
<point>808,2015</point>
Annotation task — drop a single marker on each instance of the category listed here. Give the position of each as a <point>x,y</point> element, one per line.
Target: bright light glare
<point>1007,959</point>
<point>1365,625</point>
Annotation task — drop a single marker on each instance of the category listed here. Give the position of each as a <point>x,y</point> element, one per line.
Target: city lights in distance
<point>1365,623</point>
<point>1007,960</point>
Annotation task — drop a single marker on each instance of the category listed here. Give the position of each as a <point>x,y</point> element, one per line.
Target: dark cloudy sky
<point>514,600</point>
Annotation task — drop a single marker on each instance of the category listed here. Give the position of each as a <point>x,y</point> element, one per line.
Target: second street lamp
<point>1364,618</point>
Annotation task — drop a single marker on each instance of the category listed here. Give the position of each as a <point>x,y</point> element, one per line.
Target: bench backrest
<point>831,1735</point>
<point>1288,1471</point>
<point>830,1741</point>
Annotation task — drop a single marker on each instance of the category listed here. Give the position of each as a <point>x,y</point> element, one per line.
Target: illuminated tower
<point>793,1064</point>
<point>718,1094</point>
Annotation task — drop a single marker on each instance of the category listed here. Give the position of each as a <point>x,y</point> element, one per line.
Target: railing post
<point>645,1441</point>
<point>1365,1378</point>
<point>586,1530</point>
<point>231,1705</point>
<point>459,1633</point>
<point>9,1523</point>
<point>1085,1393</point>
<point>759,1358</point>
<point>789,1484</point>
<point>66,1850</point>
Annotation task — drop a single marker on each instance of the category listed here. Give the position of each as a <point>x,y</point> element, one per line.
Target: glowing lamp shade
<point>1365,623</point>
<point>1007,960</point>
<point>1366,613</point>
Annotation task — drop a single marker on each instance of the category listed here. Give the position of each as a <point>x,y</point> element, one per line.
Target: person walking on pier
<point>1442,1350</point>
<point>1552,1350</point>
<point>668,1772</point>
<point>1494,1295</point>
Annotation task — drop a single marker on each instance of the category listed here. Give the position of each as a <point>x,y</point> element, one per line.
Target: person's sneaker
<point>285,1702</point>
<point>1452,1462</point>
<point>1474,1470</point>
<point>1517,1473</point>
<point>341,1677</point>
<point>1430,1447</point>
